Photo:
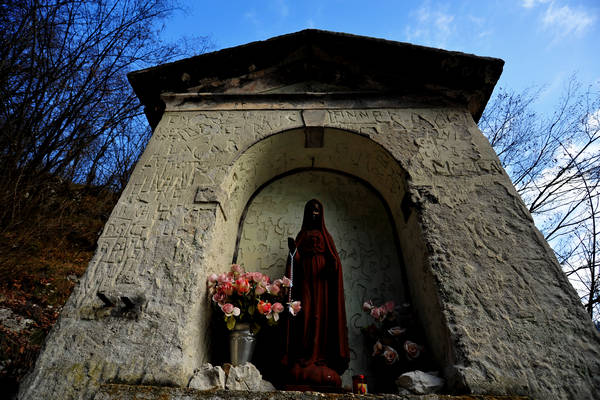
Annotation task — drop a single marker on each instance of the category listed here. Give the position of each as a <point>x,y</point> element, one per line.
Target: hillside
<point>41,260</point>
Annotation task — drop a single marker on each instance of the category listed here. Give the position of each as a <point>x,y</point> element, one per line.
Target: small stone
<point>419,382</point>
<point>12,321</point>
<point>244,377</point>
<point>266,386</point>
<point>208,377</point>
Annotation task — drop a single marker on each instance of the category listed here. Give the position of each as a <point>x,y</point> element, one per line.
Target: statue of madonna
<point>317,339</point>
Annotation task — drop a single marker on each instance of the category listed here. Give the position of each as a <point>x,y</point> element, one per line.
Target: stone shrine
<point>385,135</point>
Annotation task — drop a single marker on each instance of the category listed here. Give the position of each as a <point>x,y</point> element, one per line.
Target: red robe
<point>318,335</point>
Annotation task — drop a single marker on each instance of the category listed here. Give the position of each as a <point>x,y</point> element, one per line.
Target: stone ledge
<point>138,392</point>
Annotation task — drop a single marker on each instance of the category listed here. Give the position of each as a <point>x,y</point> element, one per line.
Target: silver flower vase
<point>241,344</point>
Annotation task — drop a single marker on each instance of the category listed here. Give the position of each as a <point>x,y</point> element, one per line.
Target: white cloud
<point>252,17</point>
<point>479,26</point>
<point>533,3</point>
<point>593,121</point>
<point>443,27</point>
<point>565,21</point>
<point>432,28</point>
<point>283,8</point>
<point>443,23</point>
<point>562,21</point>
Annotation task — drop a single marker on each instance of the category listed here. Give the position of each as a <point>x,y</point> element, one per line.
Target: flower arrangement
<point>391,333</point>
<point>250,297</point>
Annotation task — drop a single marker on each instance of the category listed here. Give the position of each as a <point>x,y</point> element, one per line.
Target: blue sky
<point>543,42</point>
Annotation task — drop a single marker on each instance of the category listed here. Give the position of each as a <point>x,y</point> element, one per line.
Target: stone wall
<point>499,313</point>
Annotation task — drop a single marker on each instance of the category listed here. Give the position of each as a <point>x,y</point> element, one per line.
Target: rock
<point>247,377</point>
<point>12,321</point>
<point>266,386</point>
<point>244,377</point>
<point>419,382</point>
<point>208,377</point>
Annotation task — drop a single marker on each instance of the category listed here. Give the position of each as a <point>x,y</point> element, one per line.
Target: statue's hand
<point>291,244</point>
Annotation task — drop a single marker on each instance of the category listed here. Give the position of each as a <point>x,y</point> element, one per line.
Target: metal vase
<point>241,344</point>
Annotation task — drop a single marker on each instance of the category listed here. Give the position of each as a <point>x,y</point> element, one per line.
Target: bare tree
<point>67,109</point>
<point>554,163</point>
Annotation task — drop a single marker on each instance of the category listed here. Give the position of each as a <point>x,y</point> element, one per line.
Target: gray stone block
<point>419,382</point>
<point>208,377</point>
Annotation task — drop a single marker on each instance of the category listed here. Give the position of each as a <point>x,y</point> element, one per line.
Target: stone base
<point>311,388</point>
<point>316,376</point>
<point>136,392</point>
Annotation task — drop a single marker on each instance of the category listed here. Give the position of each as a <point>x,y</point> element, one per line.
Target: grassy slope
<point>41,259</point>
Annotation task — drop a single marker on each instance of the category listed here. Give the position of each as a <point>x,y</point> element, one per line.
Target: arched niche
<point>280,153</point>
<point>361,226</point>
<point>350,154</point>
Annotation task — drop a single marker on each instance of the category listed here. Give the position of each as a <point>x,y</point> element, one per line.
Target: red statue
<point>317,348</point>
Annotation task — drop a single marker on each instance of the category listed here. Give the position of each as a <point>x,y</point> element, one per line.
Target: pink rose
<point>389,306</point>
<point>229,310</point>
<point>242,286</point>
<point>396,331</point>
<point>277,307</point>
<point>256,276</point>
<point>219,297</point>
<point>378,313</point>
<point>286,282</point>
<point>223,278</point>
<point>237,269</point>
<point>274,289</point>
<point>260,289</point>
<point>212,279</point>
<point>226,287</point>
<point>367,306</point>
<point>377,348</point>
<point>390,355</point>
<point>294,307</point>
<point>412,350</point>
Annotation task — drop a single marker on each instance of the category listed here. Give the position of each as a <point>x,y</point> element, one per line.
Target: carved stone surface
<point>499,314</point>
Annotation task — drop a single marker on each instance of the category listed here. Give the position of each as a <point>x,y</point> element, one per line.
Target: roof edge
<point>397,65</point>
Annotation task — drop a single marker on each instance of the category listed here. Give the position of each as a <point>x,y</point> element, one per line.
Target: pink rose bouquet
<point>394,334</point>
<point>249,297</point>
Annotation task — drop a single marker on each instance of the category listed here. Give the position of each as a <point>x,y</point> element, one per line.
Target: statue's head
<point>313,215</point>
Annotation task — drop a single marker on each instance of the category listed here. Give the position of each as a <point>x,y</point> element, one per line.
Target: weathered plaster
<point>498,311</point>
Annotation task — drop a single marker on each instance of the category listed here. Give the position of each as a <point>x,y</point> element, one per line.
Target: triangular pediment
<point>325,62</point>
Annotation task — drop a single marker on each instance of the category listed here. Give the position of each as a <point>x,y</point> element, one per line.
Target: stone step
<point>138,392</point>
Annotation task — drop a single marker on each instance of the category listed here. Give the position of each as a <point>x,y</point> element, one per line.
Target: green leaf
<point>230,323</point>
